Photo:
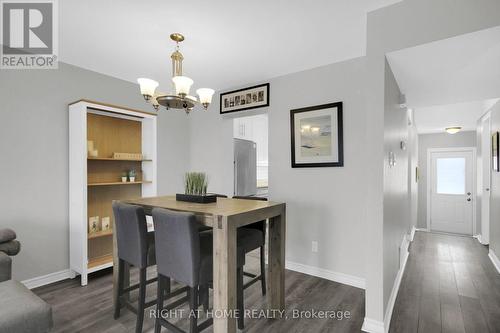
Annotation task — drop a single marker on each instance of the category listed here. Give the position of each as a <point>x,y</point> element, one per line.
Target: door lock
<point>468,193</point>
<point>469,199</point>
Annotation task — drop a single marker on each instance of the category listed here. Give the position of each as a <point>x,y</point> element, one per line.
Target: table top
<point>223,206</point>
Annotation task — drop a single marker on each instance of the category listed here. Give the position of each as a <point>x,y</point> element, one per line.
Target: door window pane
<point>450,173</point>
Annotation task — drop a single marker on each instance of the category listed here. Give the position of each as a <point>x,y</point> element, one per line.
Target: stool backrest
<point>131,233</point>
<point>177,243</point>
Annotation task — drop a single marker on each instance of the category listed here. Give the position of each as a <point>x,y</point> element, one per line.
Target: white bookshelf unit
<point>95,181</point>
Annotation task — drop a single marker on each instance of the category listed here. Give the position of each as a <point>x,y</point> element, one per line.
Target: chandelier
<point>181,85</point>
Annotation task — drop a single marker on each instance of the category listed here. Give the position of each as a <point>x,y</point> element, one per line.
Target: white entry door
<point>451,199</point>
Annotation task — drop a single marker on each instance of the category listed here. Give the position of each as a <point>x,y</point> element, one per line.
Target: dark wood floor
<point>449,285</point>
<point>89,309</point>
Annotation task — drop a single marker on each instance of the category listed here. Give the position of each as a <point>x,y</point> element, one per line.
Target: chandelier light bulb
<point>205,95</point>
<point>182,85</point>
<point>148,87</point>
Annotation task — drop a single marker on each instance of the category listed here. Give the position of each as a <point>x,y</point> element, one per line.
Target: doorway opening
<point>250,136</point>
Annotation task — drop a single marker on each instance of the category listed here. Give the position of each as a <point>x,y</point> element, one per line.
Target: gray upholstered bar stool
<point>135,248</point>
<point>184,254</point>
<point>252,237</point>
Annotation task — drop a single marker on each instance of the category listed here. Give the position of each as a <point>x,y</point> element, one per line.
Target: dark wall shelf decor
<point>245,99</point>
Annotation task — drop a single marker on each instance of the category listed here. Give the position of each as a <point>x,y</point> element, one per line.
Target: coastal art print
<point>317,138</point>
<point>245,99</point>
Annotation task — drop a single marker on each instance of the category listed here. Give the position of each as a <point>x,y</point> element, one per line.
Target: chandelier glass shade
<point>180,98</point>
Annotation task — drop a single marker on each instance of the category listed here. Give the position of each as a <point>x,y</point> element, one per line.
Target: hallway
<point>449,285</point>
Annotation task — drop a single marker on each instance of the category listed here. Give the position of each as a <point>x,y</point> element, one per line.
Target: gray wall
<point>323,204</point>
<point>495,191</point>
<point>396,189</point>
<point>34,154</point>
<point>405,24</point>
<point>438,140</point>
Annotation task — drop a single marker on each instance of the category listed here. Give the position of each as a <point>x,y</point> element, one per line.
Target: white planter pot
<point>132,179</point>
<point>124,179</point>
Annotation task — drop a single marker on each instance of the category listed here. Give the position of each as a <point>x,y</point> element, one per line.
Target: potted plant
<point>131,175</point>
<point>195,188</point>
<point>124,177</point>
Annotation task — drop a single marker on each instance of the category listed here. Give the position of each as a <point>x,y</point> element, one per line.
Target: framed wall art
<point>495,162</point>
<point>317,136</point>
<point>245,99</point>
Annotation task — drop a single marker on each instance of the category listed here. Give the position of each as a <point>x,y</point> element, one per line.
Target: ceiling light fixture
<point>180,99</point>
<point>453,130</point>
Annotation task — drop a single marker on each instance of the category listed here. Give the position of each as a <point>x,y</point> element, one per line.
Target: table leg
<point>224,275</point>
<point>276,262</point>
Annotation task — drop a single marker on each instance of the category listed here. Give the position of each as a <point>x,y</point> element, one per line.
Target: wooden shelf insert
<point>99,261</point>
<point>99,234</point>
<point>116,159</point>
<point>120,183</point>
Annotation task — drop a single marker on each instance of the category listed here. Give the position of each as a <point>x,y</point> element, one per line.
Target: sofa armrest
<point>5,267</point>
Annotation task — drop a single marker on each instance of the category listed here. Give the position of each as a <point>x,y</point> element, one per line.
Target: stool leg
<point>204,295</point>
<point>142,301</point>
<point>193,304</point>
<point>239,298</point>
<point>159,302</point>
<point>121,268</point>
<point>166,286</point>
<point>263,270</point>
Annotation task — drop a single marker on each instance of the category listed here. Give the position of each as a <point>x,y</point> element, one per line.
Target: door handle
<point>468,193</point>
<point>469,199</point>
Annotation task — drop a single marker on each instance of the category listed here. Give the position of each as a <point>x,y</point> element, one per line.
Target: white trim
<point>350,280</point>
<point>474,180</point>
<point>485,223</point>
<point>48,279</point>
<point>412,233</point>
<point>397,282</point>
<point>372,326</point>
<point>494,259</point>
<point>479,238</point>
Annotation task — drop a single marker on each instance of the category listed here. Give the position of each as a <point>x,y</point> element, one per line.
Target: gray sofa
<point>21,311</point>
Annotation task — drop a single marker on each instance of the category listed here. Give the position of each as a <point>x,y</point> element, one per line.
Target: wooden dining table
<point>224,217</point>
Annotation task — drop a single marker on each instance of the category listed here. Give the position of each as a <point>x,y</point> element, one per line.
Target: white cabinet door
<point>451,192</point>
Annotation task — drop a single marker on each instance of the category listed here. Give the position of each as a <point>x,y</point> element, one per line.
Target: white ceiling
<point>455,70</point>
<point>228,43</point>
<point>435,119</point>
<point>451,82</point>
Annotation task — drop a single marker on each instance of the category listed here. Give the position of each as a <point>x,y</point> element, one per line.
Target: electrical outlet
<point>314,246</point>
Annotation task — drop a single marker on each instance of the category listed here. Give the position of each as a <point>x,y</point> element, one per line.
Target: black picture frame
<point>243,107</point>
<point>340,135</point>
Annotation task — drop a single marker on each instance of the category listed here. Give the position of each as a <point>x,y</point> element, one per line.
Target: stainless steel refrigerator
<point>245,167</point>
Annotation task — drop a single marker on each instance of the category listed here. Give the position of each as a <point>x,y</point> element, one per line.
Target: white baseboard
<point>397,283</point>
<point>412,233</point>
<point>479,238</point>
<point>326,274</point>
<point>48,279</point>
<point>494,259</point>
<point>375,326</point>
<point>372,326</point>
